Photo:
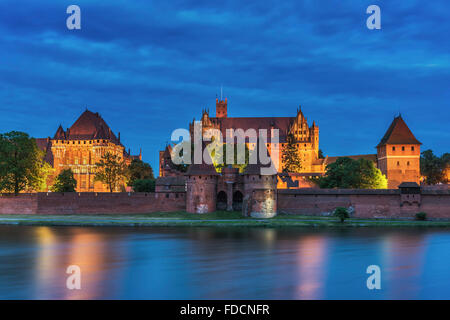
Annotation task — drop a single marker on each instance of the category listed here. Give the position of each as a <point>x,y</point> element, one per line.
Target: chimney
<point>119,137</point>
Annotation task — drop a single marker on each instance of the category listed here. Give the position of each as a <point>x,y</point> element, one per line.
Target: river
<point>223,263</point>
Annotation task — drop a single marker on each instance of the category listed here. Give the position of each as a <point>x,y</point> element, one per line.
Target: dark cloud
<point>151,66</point>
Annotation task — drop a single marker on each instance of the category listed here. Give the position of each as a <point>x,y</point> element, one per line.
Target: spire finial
<point>221,92</point>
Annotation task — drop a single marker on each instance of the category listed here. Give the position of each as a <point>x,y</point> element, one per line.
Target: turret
<point>260,192</point>
<point>201,188</point>
<point>221,108</point>
<point>398,154</point>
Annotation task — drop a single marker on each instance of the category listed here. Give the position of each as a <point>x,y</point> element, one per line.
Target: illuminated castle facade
<point>398,153</point>
<point>81,146</point>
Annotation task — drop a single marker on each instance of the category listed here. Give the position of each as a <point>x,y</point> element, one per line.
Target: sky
<point>150,67</point>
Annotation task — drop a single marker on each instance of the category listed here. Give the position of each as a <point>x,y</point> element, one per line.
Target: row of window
<point>403,148</point>
<point>79,141</point>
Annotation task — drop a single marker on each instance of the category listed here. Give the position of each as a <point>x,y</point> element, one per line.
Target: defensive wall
<point>387,203</point>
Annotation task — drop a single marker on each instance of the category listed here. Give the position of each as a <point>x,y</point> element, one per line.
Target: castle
<point>80,147</point>
<point>398,158</point>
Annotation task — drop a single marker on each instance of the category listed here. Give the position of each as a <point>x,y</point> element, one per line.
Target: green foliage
<point>182,167</point>
<point>112,171</point>
<point>218,153</point>
<point>65,182</point>
<point>144,185</point>
<point>356,174</point>
<point>139,170</point>
<point>341,213</point>
<point>22,165</point>
<point>421,216</point>
<point>433,167</point>
<point>291,157</point>
<point>321,156</point>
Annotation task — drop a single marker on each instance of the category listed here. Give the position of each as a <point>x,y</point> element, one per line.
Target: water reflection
<point>403,264</point>
<point>312,255</point>
<point>222,263</point>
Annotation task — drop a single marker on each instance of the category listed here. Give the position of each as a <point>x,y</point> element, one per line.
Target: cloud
<point>150,67</point>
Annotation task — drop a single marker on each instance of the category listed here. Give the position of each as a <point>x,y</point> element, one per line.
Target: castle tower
<point>261,192</point>
<point>221,108</point>
<point>201,188</point>
<point>398,154</point>
<point>314,136</point>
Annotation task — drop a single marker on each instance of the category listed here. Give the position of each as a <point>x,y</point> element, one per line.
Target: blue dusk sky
<point>149,67</point>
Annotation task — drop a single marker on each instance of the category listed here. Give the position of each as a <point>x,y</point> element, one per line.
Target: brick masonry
<point>92,203</point>
<point>387,203</point>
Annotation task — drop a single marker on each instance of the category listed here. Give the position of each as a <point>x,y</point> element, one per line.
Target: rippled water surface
<point>221,263</point>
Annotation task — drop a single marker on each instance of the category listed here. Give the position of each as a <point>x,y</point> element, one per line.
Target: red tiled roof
<point>398,133</point>
<point>89,126</point>
<point>280,123</point>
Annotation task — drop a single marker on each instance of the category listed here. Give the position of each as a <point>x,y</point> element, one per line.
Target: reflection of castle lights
<point>311,260</point>
<point>46,259</point>
<point>403,260</point>
<point>87,252</point>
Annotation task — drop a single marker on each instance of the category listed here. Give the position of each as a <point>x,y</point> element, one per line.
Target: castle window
<point>393,148</point>
<point>398,163</point>
<point>407,163</point>
<point>167,195</point>
<point>412,148</point>
<point>403,148</point>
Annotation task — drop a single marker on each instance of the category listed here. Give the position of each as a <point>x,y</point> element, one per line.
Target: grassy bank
<point>216,219</point>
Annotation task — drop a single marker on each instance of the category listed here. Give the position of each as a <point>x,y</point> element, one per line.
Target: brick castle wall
<point>366,203</point>
<point>92,203</point>
<point>385,203</point>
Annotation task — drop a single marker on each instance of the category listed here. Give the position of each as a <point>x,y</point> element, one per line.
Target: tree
<point>111,170</point>
<point>321,156</point>
<point>139,170</point>
<point>291,156</point>
<point>65,182</point>
<point>341,213</point>
<point>219,158</point>
<point>144,185</point>
<point>22,164</point>
<point>356,174</point>
<point>46,170</point>
<point>433,167</point>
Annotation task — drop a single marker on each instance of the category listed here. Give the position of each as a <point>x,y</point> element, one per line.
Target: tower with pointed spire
<point>398,154</point>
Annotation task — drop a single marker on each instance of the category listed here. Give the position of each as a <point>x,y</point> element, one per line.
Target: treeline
<point>434,169</point>
<point>363,174</point>
<point>23,168</point>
